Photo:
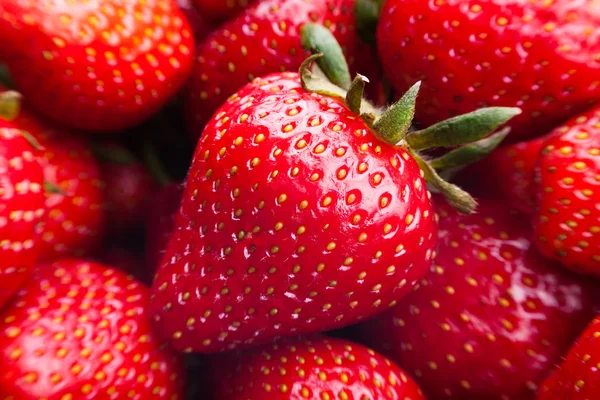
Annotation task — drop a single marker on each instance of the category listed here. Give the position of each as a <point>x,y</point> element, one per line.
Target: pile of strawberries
<point>299,199</point>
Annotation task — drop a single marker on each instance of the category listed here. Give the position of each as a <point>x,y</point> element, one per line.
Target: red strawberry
<point>160,223</point>
<point>541,56</point>
<point>75,219</point>
<point>506,174</point>
<point>491,318</point>
<point>309,368</point>
<point>128,187</point>
<point>220,9</point>
<point>298,215</point>
<point>21,204</point>
<point>263,39</point>
<point>577,377</point>
<point>78,330</point>
<point>567,221</point>
<point>100,65</point>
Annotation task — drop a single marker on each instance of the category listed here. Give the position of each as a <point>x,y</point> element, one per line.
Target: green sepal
<point>393,125</point>
<point>154,165</point>
<point>10,105</point>
<point>354,97</point>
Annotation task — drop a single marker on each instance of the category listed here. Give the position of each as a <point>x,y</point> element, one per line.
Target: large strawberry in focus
<point>491,318</point>
<point>567,219</point>
<point>99,65</point>
<point>577,378</point>
<point>21,199</point>
<point>263,39</point>
<point>298,215</point>
<point>541,56</point>
<point>309,368</point>
<point>78,330</point>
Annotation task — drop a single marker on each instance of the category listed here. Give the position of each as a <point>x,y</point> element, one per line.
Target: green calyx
<point>471,135</point>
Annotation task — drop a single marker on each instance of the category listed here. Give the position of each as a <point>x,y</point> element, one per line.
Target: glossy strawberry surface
<point>21,208</point>
<point>78,330</point>
<point>578,376</point>
<point>507,174</point>
<point>541,56</point>
<point>261,40</point>
<point>295,218</point>
<point>567,221</point>
<point>310,368</point>
<point>99,65</point>
<point>160,223</point>
<point>492,317</point>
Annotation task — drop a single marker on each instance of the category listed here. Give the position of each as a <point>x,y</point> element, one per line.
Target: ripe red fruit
<point>262,40</point>
<point>128,188</point>
<point>295,218</point>
<point>104,65</point>
<point>309,368</point>
<point>160,223</point>
<point>506,174</point>
<point>79,330</point>
<point>21,207</point>
<point>221,9</point>
<point>577,376</point>
<point>540,56</point>
<point>567,221</point>
<point>491,318</point>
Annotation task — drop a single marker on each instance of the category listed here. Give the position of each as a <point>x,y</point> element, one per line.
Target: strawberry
<point>103,65</point>
<point>567,221</point>
<point>78,330</point>
<point>127,188</point>
<point>21,202</point>
<point>263,39</point>
<point>491,318</point>
<point>511,169</point>
<point>199,23</point>
<point>160,223</point>
<point>298,215</point>
<point>220,9</point>
<point>309,368</point>
<point>541,56</point>
<point>577,377</point>
<point>75,218</point>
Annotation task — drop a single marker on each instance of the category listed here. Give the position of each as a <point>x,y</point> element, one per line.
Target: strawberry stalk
<point>393,124</point>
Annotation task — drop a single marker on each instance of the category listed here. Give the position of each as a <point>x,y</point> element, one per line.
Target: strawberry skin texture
<point>511,169</point>
<point>220,9</point>
<point>21,208</point>
<point>491,318</point>
<point>160,223</point>
<point>262,40</point>
<point>295,219</point>
<point>577,377</point>
<point>567,221</point>
<point>101,65</point>
<point>310,368</point>
<point>540,56</point>
<point>79,329</point>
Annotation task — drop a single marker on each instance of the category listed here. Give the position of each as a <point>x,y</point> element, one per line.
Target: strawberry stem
<point>394,123</point>
<point>462,129</point>
<point>318,39</point>
<point>354,96</point>
<point>469,153</point>
<point>10,105</point>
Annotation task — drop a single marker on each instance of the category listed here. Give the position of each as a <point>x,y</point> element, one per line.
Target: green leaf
<point>354,96</point>
<point>395,122</point>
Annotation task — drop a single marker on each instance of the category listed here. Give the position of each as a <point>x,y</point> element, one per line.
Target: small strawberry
<point>567,220</point>
<point>577,377</point>
<point>100,65</point>
<point>541,56</point>
<point>491,318</point>
<point>309,368</point>
<point>21,200</point>
<point>298,215</point>
<point>128,186</point>
<point>220,9</point>
<point>511,169</point>
<point>263,39</point>
<point>78,330</point>
<point>160,222</point>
